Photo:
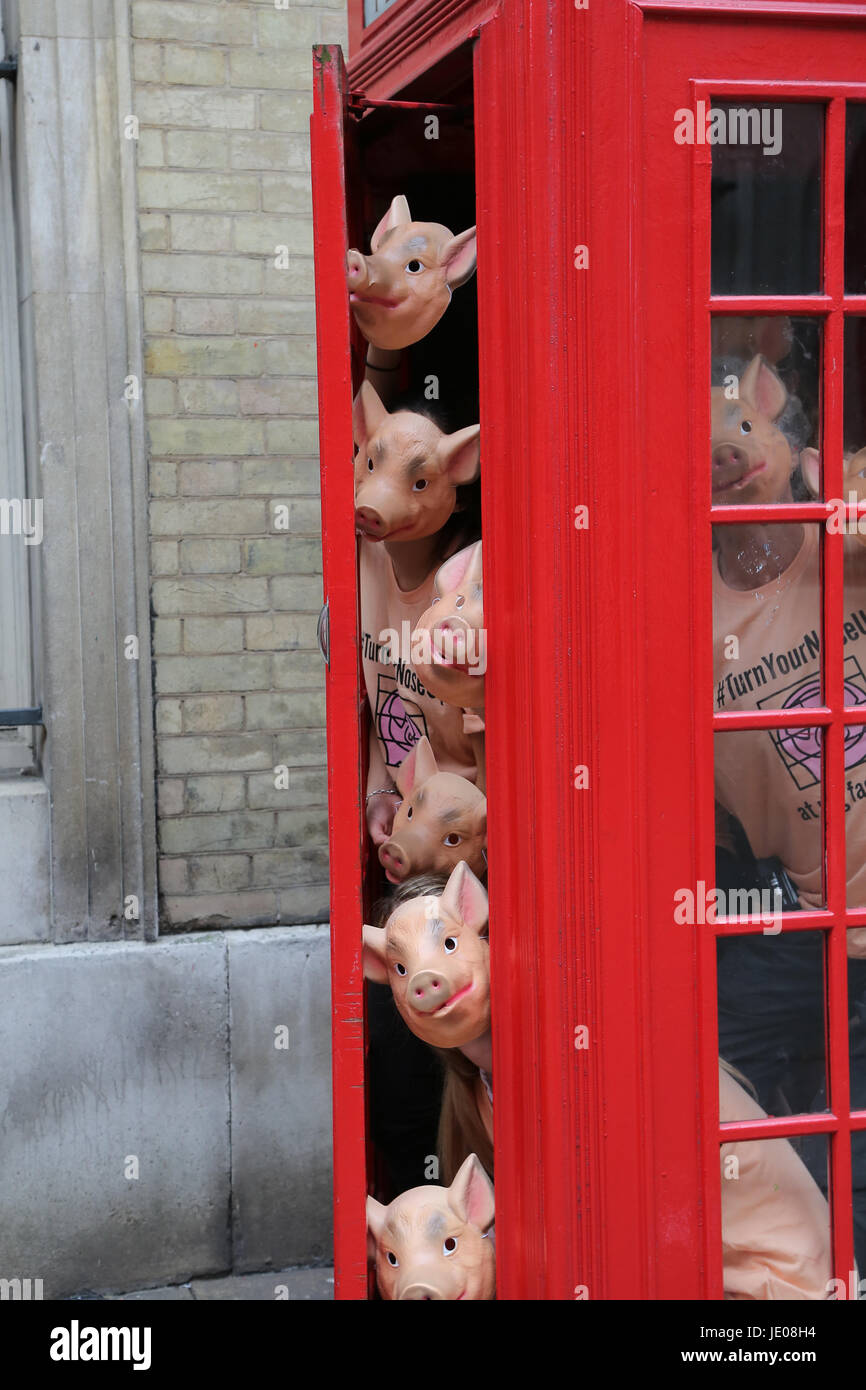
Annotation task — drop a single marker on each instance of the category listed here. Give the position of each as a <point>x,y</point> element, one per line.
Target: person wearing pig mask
<point>441,820</point>
<point>401,290</point>
<point>436,1242</point>
<point>408,480</point>
<point>766,626</point>
<point>431,947</point>
<point>766,594</point>
<point>451,642</point>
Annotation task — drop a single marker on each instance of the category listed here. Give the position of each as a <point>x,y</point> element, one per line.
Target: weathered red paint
<point>607,1173</point>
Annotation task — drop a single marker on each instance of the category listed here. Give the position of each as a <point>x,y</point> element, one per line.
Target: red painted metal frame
<point>532,316</point>
<point>607,1174</point>
<point>407,40</point>
<point>346,822</point>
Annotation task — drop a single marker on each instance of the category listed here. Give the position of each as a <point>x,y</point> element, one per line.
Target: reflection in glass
<point>771,1020</point>
<point>766,198</point>
<point>765,398</point>
<point>767,635</point>
<point>776,1241</point>
<point>855,200</point>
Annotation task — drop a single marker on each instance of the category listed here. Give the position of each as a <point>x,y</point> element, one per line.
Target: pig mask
<point>751,458</point>
<point>402,290</point>
<point>435,955</point>
<point>855,482</point>
<point>430,1242</point>
<point>441,820</point>
<point>406,470</point>
<point>454,625</point>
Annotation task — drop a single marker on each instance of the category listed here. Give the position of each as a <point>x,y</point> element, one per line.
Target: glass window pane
<point>769,820</point>
<point>771,1021</point>
<point>776,1240</point>
<point>766,196</point>
<point>766,408</point>
<point>857,1288</point>
<point>855,785</point>
<point>855,200</point>
<point>855,399</point>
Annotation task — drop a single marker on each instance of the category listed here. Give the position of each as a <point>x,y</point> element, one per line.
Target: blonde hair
<point>461,1128</point>
<point>421,886</point>
<point>738,1076</point>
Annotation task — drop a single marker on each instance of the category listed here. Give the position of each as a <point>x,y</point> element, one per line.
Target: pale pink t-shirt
<point>401,707</point>
<point>771,779</point>
<point>775,1222</point>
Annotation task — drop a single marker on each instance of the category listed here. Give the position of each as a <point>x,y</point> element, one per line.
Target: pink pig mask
<point>441,820</point>
<point>407,471</point>
<point>400,292</point>
<point>430,1243</point>
<point>752,460</point>
<point>435,955</point>
<point>854,483</point>
<point>454,627</point>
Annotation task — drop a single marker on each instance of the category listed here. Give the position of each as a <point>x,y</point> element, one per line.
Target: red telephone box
<point>608,281</point>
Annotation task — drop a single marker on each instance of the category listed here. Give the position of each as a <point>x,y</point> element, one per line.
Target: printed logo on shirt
<point>736,684</point>
<point>800,749</point>
<point>399,722</point>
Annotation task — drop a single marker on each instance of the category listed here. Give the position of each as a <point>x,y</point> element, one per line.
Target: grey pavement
<point>292,1284</point>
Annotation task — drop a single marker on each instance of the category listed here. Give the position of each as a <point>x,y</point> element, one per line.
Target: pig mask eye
<point>451,841</point>
<point>450,944</point>
<point>415,267</point>
<point>400,968</point>
<point>419,485</point>
<point>370,465</point>
<point>745,427</point>
<point>459,601</point>
<point>392,1259</point>
<point>449,1246</point>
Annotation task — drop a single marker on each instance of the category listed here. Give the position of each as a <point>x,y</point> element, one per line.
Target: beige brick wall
<point>223,96</point>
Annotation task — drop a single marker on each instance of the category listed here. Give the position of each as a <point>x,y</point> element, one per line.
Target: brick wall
<point>222,93</point>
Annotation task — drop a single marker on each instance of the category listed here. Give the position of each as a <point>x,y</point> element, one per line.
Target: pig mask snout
<point>429,990</point>
<point>368,520</point>
<point>730,463</point>
<point>393,860</point>
<point>417,1292</point>
<point>356,270</point>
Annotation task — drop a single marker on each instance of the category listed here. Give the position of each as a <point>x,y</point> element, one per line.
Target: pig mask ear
<point>761,388</point>
<point>461,454</point>
<point>375,1225</point>
<point>417,769</point>
<point>470,1195</point>
<point>459,257</point>
<point>375,960</point>
<point>464,899</point>
<point>368,413</point>
<point>461,566</point>
<point>810,467</point>
<point>397,214</point>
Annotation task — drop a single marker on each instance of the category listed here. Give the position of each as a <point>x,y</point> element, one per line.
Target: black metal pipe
<point>16,718</point>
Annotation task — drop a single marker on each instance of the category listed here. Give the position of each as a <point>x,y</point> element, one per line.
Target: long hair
<point>738,1076</point>
<point>461,1129</point>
